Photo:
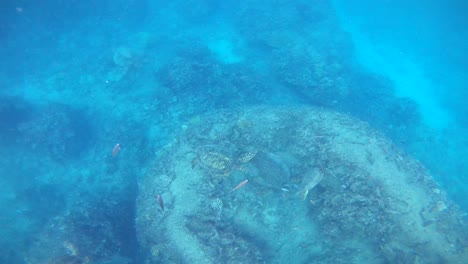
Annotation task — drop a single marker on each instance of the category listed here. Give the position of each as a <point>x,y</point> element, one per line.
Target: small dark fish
<point>160,202</point>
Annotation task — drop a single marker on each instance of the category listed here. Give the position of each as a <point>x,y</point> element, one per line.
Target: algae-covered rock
<point>363,200</point>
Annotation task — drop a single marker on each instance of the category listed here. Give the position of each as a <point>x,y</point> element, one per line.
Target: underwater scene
<point>252,131</point>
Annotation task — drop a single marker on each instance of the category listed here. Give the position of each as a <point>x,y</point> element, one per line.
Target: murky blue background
<point>78,77</point>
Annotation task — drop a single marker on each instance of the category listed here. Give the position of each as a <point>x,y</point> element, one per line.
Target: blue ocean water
<point>79,77</point>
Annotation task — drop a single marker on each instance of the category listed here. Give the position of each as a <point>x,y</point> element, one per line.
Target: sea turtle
<point>219,163</point>
<point>213,160</point>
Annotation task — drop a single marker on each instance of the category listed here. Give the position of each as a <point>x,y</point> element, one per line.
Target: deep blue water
<point>78,77</point>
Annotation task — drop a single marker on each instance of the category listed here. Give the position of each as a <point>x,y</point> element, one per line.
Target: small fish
<point>239,185</point>
<point>116,150</point>
<point>160,202</point>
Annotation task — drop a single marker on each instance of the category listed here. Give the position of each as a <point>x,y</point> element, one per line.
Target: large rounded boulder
<point>322,187</point>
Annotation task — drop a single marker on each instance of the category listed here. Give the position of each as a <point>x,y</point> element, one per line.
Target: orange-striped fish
<point>116,150</point>
<point>239,185</point>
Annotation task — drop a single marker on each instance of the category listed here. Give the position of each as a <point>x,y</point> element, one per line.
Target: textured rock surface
<point>369,202</point>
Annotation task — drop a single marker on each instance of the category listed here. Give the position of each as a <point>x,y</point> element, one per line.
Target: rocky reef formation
<point>322,187</point>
